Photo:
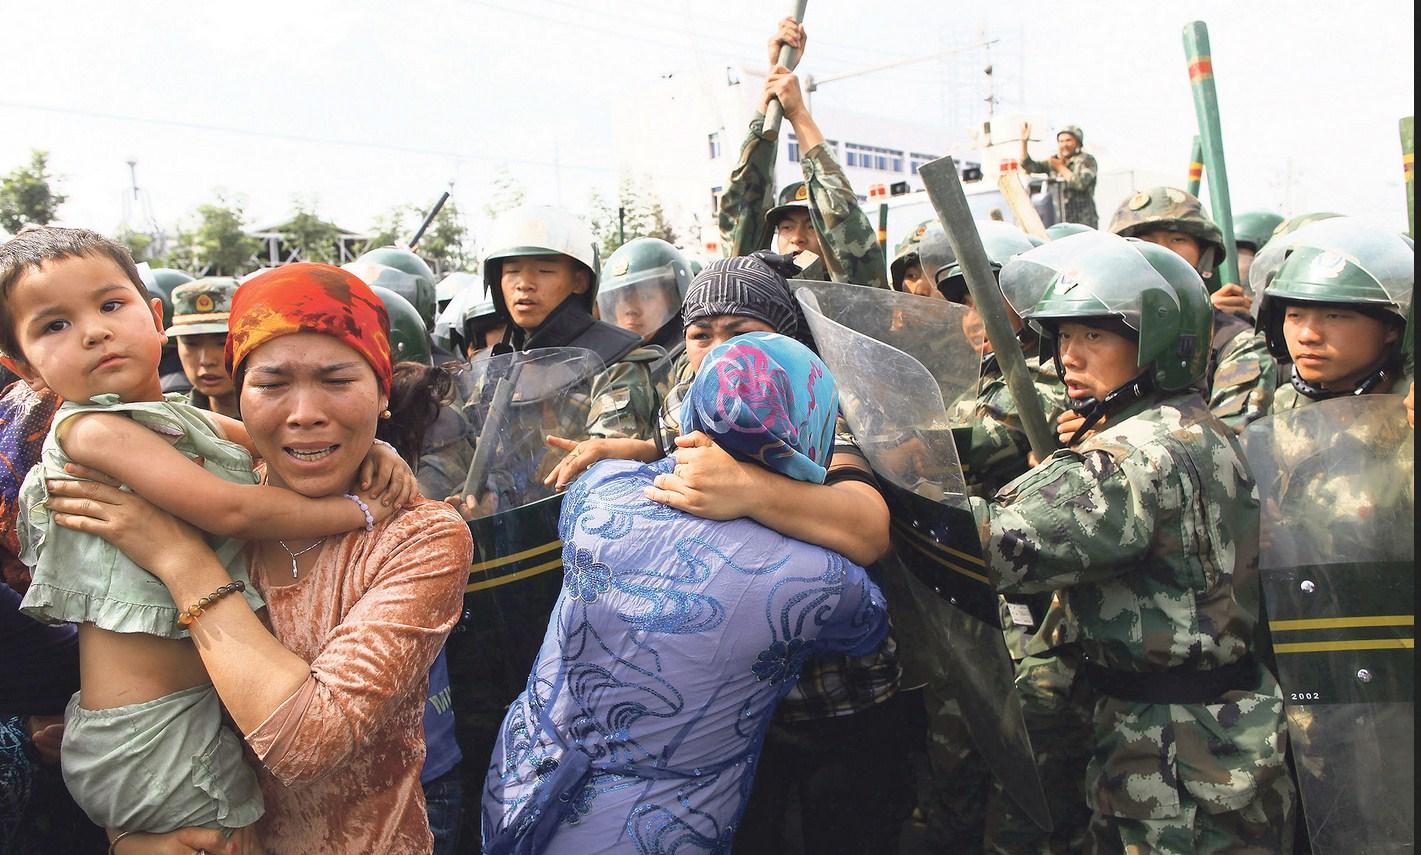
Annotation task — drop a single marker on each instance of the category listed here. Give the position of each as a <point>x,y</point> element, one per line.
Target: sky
<point>359,106</point>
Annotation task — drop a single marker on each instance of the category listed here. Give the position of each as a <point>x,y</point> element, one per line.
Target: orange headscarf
<point>307,297</point>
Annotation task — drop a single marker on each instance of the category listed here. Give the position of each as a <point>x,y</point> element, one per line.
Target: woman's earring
<point>386,415</point>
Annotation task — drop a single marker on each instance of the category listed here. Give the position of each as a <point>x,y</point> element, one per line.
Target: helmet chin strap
<point>1384,372</point>
<point>1095,409</point>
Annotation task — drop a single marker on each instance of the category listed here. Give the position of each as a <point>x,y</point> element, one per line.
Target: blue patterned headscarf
<point>766,398</point>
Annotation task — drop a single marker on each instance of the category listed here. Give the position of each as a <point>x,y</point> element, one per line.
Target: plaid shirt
<point>832,686</point>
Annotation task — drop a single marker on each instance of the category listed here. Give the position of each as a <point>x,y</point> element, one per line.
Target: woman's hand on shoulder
<point>707,481</point>
<point>384,476</point>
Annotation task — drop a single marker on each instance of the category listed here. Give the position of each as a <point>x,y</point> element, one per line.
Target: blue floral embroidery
<point>780,661</point>
<point>585,577</point>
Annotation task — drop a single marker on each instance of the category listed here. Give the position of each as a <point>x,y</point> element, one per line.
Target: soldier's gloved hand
<point>791,33</point>
<point>385,476</point>
<point>707,481</point>
<point>1232,299</point>
<point>471,509</point>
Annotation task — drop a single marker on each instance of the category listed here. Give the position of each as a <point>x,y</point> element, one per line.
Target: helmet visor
<point>641,301</point>
<point>1382,255</point>
<point>1097,274</point>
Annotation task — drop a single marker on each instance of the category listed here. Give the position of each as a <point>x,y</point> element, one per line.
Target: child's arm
<point>136,456</point>
<point>383,473</point>
<point>234,431</point>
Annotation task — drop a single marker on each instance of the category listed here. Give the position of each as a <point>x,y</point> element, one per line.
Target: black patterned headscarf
<point>751,286</point>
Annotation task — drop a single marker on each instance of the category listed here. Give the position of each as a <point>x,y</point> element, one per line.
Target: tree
<point>602,221</point>
<point>389,229</point>
<point>310,237</point>
<point>216,244</point>
<point>27,195</point>
<point>442,244</point>
<point>138,243</point>
<point>506,194</point>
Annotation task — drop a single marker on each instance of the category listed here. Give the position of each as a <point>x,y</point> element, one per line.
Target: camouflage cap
<point>202,307</point>
<point>1167,208</point>
<point>907,253</point>
<point>795,197</point>
<point>1075,131</point>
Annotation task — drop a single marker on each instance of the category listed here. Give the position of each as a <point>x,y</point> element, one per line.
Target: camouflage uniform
<point>1145,526</point>
<point>849,241</point>
<point>1078,191</point>
<point>1056,705</point>
<point>625,402</point>
<point>1242,373</point>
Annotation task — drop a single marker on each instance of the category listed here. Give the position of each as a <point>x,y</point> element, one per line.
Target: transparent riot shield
<point>900,362</point>
<point>1337,565</point>
<point>512,401</point>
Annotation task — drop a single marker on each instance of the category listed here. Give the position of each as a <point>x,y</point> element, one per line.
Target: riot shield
<point>513,401</point>
<point>1337,565</point>
<point>901,361</point>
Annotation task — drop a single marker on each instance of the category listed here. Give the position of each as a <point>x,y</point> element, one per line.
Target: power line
<point>308,138</point>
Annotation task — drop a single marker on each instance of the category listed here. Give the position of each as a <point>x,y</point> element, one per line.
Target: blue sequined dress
<point>672,642</point>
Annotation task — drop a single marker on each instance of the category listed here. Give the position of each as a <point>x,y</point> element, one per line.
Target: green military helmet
<point>417,284</point>
<point>160,282</point>
<point>1292,224</point>
<point>1252,229</point>
<point>1002,242</point>
<point>1056,231</point>
<point>203,306</point>
<point>1173,209</point>
<point>532,230</point>
<point>1075,131</point>
<point>1150,291</point>
<point>643,284</point>
<point>1338,261</point>
<point>906,255</point>
<point>696,266</point>
<point>1036,240</point>
<point>454,283</point>
<point>794,197</point>
<point>408,340</point>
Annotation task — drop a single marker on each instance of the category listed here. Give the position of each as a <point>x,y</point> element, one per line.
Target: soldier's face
<point>643,308</point>
<point>1245,263</point>
<point>702,336</point>
<point>1096,362</point>
<point>1334,347</point>
<point>1184,245</point>
<point>1066,144</point>
<point>795,233</point>
<point>204,363</point>
<point>914,282</point>
<point>534,285</point>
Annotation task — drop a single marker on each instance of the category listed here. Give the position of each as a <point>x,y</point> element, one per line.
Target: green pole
<point>1206,108</point>
<point>944,188</point>
<point>1408,148</point>
<point>1196,166</point>
<point>883,231</point>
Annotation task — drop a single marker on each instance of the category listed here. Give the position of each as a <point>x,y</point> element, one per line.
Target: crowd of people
<point>625,554</point>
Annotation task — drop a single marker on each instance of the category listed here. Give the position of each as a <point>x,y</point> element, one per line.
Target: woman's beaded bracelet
<point>364,509</point>
<point>194,611</point>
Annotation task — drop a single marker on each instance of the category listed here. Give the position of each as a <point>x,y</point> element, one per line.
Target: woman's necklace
<point>298,554</point>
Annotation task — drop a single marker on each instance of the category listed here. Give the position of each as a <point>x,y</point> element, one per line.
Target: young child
<point>144,747</point>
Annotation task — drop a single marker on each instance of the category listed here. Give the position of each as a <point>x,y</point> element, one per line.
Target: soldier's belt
<point>1174,686</point>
